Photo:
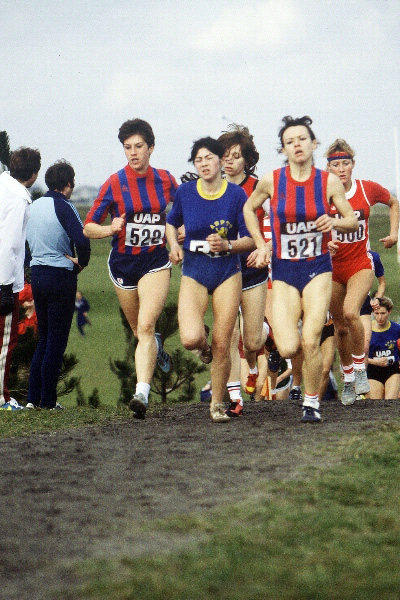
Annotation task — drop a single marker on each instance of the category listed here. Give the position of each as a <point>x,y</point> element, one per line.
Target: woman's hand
<point>324,223</point>
<point>117,224</point>
<point>333,247</point>
<point>176,254</point>
<point>252,259</point>
<point>217,243</point>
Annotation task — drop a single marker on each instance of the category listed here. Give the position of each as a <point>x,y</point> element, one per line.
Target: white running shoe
<point>348,393</point>
<point>362,383</point>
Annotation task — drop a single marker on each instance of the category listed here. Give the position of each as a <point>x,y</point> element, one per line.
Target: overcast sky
<point>73,71</point>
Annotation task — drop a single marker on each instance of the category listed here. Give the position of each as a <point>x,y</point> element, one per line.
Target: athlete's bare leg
<point>327,352</point>
<point>345,309</point>
<point>297,369</point>
<point>142,307</point>
<point>234,375</point>
<point>192,307</point>
<point>225,304</point>
<point>377,391</point>
<point>253,305</point>
<point>366,321</point>
<point>392,387</point>
<point>315,302</point>
<point>285,314</point>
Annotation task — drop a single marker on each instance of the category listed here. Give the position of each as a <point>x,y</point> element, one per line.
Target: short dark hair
<point>238,135</point>
<point>59,175</point>
<point>136,126</point>
<point>24,163</point>
<point>210,143</point>
<point>289,121</point>
<point>386,303</point>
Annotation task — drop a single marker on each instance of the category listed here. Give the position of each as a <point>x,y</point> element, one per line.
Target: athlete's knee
<point>145,330</point>
<point>351,315</point>
<point>190,342</point>
<point>341,330</point>
<point>288,348</point>
<point>252,344</point>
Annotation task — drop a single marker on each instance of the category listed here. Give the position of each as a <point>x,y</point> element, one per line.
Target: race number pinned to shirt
<point>300,240</point>
<point>354,236</point>
<point>145,229</point>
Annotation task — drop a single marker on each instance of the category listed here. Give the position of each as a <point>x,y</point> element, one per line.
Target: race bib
<point>354,236</point>
<point>300,240</point>
<point>145,230</point>
<point>204,247</point>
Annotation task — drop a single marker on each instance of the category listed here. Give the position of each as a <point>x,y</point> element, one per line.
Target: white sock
<point>143,388</point>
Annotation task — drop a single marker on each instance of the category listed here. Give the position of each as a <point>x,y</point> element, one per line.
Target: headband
<point>339,156</point>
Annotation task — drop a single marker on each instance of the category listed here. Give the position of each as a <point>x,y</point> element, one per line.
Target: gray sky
<point>73,71</point>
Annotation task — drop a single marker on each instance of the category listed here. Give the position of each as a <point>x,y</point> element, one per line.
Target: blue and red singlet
<point>294,208</point>
<point>143,198</point>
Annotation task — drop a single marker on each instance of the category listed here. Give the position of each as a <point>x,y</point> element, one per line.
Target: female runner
<point>301,196</point>
<point>211,209</point>
<point>136,198</point>
<point>383,356</point>
<point>353,269</point>
<point>239,163</point>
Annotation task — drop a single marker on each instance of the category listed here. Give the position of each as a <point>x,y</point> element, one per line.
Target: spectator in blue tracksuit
<point>54,232</point>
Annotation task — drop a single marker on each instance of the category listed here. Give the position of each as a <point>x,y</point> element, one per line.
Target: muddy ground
<point>85,493</point>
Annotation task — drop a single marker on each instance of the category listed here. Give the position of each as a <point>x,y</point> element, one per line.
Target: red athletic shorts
<point>344,269</point>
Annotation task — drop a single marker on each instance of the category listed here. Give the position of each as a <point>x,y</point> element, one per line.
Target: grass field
<point>332,535</point>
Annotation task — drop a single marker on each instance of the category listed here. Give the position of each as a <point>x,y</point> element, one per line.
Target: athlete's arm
<point>97,232</point>
<point>219,244</point>
<point>176,252</point>
<point>263,191</point>
<point>391,239</point>
<point>336,195</point>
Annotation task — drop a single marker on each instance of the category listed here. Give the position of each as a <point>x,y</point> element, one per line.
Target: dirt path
<point>83,493</point>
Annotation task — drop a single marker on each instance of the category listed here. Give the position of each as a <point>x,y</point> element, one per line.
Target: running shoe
<point>138,406</point>
<point>205,392</point>
<point>274,360</point>
<point>251,383</point>
<point>58,406</point>
<point>163,358</point>
<point>218,414</point>
<point>295,395</point>
<point>362,383</point>
<point>11,405</point>
<point>310,415</point>
<point>348,393</point>
<point>235,410</point>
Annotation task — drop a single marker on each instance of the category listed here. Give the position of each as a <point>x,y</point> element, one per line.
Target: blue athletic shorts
<point>209,271</point>
<point>125,270</point>
<point>382,374</point>
<point>251,277</point>
<point>366,308</point>
<point>298,273</point>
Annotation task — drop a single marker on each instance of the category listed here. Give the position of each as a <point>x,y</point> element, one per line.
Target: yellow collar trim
<point>220,192</point>
<point>374,327</point>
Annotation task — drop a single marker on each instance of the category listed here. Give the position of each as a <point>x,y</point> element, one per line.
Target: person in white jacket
<point>14,213</point>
